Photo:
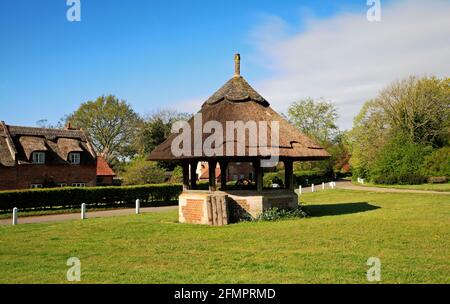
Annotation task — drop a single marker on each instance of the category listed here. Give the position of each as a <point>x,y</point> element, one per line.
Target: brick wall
<point>22,176</point>
<point>193,211</point>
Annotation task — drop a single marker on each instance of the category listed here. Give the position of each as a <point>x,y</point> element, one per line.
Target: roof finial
<point>237,65</point>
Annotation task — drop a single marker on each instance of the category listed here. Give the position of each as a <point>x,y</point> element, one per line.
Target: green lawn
<point>410,233</point>
<point>429,187</point>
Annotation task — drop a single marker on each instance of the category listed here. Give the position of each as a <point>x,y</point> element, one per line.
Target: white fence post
<point>312,188</point>
<point>323,185</point>
<point>138,206</point>
<point>300,189</point>
<point>14,220</point>
<point>83,211</point>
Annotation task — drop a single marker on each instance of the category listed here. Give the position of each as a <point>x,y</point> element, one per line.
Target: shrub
<point>411,179</point>
<point>399,159</point>
<point>437,179</point>
<point>437,163</point>
<point>140,172</point>
<point>385,179</point>
<point>93,196</point>
<point>275,214</point>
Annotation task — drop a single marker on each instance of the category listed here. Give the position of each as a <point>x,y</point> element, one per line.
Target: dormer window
<point>38,158</point>
<point>74,158</point>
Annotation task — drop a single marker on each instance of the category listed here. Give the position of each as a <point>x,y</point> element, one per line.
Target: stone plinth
<point>195,205</point>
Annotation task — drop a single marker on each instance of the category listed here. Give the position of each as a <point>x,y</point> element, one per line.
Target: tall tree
<point>156,128</point>
<point>419,108</point>
<point>316,118</point>
<point>111,125</point>
<point>416,109</point>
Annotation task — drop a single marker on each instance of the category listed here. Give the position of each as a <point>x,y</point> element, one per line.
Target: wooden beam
<point>288,174</point>
<point>185,166</point>
<point>223,174</point>
<point>258,175</point>
<point>193,165</point>
<point>212,175</point>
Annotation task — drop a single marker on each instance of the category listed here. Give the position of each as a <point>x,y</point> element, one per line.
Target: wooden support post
<point>223,174</point>
<point>212,175</point>
<point>288,174</point>
<point>258,175</point>
<point>185,175</point>
<point>193,166</point>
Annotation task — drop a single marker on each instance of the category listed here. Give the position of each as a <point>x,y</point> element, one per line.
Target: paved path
<point>344,184</point>
<point>73,216</point>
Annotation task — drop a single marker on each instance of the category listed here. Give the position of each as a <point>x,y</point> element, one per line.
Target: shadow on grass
<point>338,209</point>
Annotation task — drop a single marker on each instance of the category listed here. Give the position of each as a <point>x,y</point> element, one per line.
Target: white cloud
<point>347,59</point>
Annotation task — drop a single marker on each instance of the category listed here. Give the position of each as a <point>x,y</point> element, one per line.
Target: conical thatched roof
<point>238,101</point>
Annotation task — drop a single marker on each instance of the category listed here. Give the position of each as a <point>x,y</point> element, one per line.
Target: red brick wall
<point>22,176</point>
<point>193,211</point>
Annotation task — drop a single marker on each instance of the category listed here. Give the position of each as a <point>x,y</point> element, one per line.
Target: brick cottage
<point>38,158</point>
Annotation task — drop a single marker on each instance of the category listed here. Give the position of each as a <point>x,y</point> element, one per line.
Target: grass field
<point>410,233</point>
<point>428,187</point>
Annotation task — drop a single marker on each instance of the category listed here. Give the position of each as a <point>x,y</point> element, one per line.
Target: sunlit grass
<point>408,232</point>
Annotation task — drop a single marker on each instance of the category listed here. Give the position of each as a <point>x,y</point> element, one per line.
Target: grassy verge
<point>408,232</point>
<point>427,187</point>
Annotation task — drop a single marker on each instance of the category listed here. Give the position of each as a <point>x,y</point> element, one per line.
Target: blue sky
<point>174,54</point>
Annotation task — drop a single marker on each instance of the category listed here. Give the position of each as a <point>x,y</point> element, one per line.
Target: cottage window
<point>78,185</point>
<point>36,186</point>
<point>74,158</point>
<point>38,157</point>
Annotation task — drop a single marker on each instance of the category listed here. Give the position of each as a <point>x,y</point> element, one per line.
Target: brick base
<point>193,205</point>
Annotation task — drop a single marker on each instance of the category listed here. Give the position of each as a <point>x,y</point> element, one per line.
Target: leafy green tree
<point>140,172</point>
<point>400,156</point>
<point>111,124</point>
<point>368,135</point>
<point>156,128</point>
<point>418,108</point>
<point>315,118</point>
<point>415,109</point>
<point>437,163</point>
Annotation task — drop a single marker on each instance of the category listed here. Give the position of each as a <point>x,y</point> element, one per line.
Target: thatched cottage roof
<point>238,101</point>
<point>18,143</point>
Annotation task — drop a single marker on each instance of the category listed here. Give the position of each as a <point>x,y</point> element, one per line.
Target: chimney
<point>237,65</point>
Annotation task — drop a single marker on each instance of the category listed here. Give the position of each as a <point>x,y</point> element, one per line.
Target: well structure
<point>237,102</point>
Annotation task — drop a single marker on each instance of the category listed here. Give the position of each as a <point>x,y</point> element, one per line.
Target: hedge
<point>70,197</point>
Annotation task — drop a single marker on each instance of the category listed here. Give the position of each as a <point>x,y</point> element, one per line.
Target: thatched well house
<point>237,101</point>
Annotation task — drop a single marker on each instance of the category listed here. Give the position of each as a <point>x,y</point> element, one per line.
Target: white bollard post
<point>138,206</point>
<point>323,185</point>
<point>300,189</point>
<point>83,211</point>
<point>14,220</point>
<point>312,188</point>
